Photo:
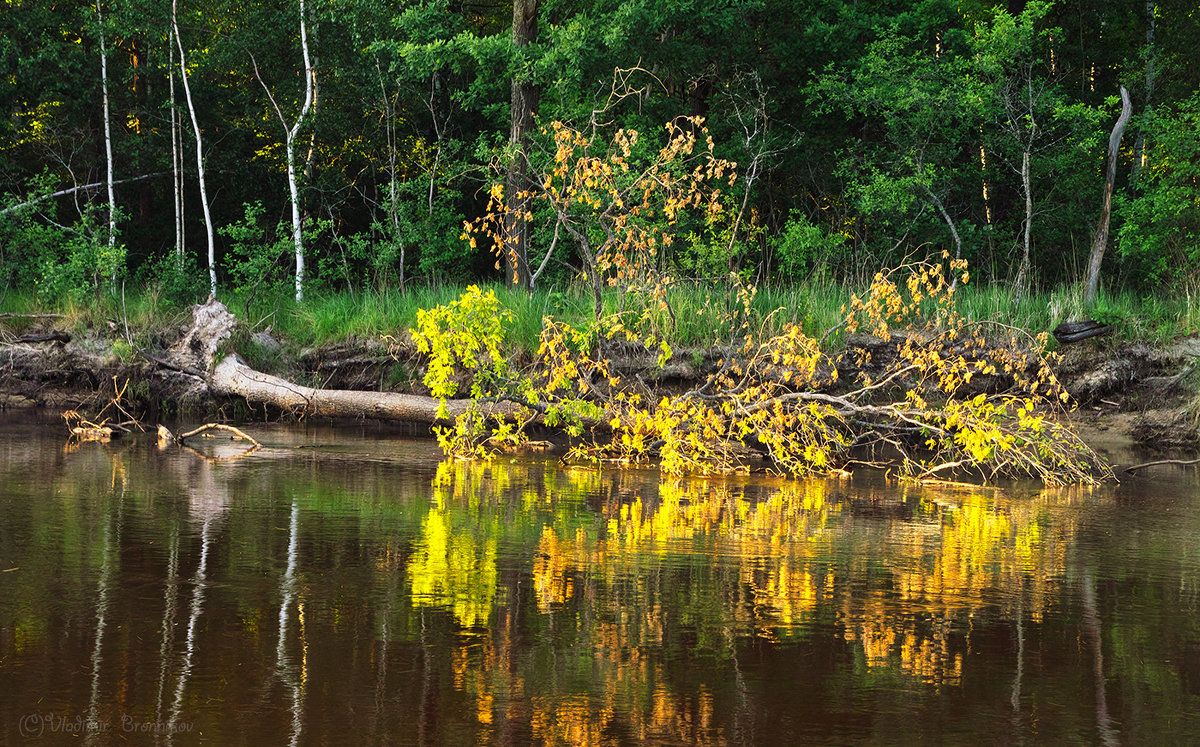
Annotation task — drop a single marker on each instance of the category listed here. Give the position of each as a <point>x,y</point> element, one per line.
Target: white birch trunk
<point>1139,148</point>
<point>108,153</point>
<point>176,164</point>
<point>290,145</point>
<point>1027,231</point>
<point>187,92</point>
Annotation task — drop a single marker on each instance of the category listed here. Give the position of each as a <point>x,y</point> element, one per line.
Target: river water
<point>348,586</point>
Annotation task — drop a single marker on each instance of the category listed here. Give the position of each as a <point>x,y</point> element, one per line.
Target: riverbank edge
<point>1123,393</point>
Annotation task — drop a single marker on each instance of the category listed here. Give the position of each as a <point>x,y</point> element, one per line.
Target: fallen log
<point>198,353</point>
<point>54,336</point>
<point>232,377</point>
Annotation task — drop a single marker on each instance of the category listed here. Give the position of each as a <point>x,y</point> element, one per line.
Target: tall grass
<point>700,311</point>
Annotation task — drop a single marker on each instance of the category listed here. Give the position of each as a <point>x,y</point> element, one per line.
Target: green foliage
<point>1159,238</point>
<point>79,261</point>
<point>61,261</point>
<point>802,248</point>
<point>177,280</point>
<point>259,259</point>
<point>257,256</point>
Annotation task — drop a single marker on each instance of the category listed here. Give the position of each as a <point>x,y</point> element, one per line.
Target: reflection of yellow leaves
<point>454,569</point>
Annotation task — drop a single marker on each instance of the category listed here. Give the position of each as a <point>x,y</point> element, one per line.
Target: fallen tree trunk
<point>228,375</point>
<point>232,377</point>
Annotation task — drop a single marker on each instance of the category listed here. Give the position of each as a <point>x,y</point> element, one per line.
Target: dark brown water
<point>347,587</point>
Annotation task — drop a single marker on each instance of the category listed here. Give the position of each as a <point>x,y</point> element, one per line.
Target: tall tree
<point>524,103</point>
<point>108,149</point>
<point>290,133</point>
<point>187,91</point>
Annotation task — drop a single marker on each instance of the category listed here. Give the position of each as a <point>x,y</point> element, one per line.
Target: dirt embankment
<point>1126,392</point>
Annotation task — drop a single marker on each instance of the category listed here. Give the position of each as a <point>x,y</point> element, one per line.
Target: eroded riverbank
<point>1122,393</point>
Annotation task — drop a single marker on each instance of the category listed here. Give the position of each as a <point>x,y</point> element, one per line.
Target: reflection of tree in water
<point>701,565</point>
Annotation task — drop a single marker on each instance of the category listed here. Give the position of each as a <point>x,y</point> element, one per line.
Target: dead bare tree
<point>1100,242</point>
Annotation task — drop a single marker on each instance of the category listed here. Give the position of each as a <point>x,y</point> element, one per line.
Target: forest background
<point>323,156</point>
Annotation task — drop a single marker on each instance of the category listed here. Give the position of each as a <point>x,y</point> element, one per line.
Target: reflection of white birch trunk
<point>199,582</point>
<point>187,92</point>
<point>283,664</point>
<point>1015,697</point>
<point>106,573</point>
<point>1091,627</point>
<point>380,713</point>
<point>290,133</point>
<point>170,607</point>
<point>108,153</point>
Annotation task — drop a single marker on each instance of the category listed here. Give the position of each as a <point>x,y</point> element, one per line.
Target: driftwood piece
<point>167,439</point>
<point>100,433</point>
<point>1180,462</point>
<point>217,427</point>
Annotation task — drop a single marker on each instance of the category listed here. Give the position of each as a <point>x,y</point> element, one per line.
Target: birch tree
<point>290,133</point>
<point>108,152</point>
<point>187,91</point>
<point>176,158</point>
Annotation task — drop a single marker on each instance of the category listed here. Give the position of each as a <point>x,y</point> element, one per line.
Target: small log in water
<point>211,427</point>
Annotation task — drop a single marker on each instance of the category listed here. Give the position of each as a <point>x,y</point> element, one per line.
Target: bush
<point>803,247</point>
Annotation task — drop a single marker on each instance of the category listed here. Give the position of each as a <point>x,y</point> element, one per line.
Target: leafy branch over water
<point>929,392</point>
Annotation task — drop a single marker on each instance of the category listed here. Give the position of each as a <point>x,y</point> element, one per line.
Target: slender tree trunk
<point>393,195</point>
<point>309,75</point>
<point>1139,148</point>
<point>176,163</point>
<point>108,150</point>
<point>1100,241</point>
<point>289,140</point>
<point>937,203</point>
<point>187,92</point>
<point>524,102</point>
<point>1022,279</point>
<point>74,190</point>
